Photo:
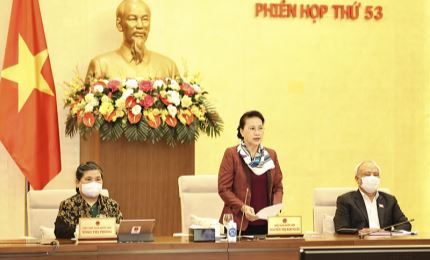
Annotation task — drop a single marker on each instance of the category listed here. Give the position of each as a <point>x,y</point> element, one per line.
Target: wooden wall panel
<point>143,177</point>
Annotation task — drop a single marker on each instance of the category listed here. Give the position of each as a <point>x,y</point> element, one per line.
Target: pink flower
<point>145,86</point>
<point>113,85</point>
<point>188,90</point>
<point>147,101</point>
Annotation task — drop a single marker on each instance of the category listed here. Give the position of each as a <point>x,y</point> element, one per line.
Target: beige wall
<point>333,92</point>
<point>12,183</point>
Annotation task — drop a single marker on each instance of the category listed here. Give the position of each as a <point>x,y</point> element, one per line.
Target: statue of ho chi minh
<point>132,59</point>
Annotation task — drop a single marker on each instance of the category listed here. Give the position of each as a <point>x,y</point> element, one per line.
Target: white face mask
<point>370,183</point>
<point>92,189</point>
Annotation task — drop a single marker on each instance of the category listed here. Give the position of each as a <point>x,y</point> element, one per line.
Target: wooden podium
<point>142,177</point>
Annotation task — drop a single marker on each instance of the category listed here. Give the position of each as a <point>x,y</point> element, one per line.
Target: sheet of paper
<point>269,211</point>
<point>380,233</point>
<point>402,233</point>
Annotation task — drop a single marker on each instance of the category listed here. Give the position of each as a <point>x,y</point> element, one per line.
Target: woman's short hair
<point>84,167</point>
<point>246,115</point>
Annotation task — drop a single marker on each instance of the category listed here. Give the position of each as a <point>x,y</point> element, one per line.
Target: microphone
<point>243,214</point>
<point>363,235</point>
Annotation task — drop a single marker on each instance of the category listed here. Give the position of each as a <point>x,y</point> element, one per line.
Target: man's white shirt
<point>372,210</point>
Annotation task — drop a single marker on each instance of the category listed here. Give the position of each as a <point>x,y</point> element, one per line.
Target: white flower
<point>89,107</point>
<point>172,110</point>
<point>98,88</point>
<point>186,101</point>
<point>131,84</point>
<point>196,88</point>
<point>174,85</point>
<point>136,110</point>
<point>158,83</point>
<point>90,99</point>
<point>173,97</point>
<point>126,93</point>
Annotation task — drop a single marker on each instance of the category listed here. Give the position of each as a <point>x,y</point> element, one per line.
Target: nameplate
<point>284,226</point>
<point>97,228</point>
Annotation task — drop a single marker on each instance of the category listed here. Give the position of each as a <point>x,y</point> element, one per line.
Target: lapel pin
<point>381,205</point>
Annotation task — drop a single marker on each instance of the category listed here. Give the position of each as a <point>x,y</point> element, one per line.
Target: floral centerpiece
<point>175,110</point>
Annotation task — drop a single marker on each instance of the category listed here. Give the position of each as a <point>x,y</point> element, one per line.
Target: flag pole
<point>26,190</point>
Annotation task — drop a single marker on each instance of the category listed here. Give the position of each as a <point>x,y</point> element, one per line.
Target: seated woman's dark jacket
<point>76,207</point>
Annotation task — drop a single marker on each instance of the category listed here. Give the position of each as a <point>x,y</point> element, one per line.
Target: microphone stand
<point>243,214</point>
<point>363,235</point>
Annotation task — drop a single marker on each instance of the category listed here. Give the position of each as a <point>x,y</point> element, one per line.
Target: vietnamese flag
<point>28,109</point>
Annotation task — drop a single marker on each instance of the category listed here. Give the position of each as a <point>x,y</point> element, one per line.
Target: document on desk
<point>270,211</point>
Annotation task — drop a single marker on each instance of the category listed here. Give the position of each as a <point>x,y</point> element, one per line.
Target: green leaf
<point>131,132</point>
<point>154,135</point>
<point>99,121</point>
<point>71,125</point>
<point>181,132</point>
<point>111,131</point>
<point>169,135</point>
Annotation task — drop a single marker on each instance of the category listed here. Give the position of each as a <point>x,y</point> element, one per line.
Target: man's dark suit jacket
<point>351,211</point>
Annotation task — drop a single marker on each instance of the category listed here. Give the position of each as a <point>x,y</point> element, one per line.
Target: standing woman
<point>250,171</point>
<point>87,203</point>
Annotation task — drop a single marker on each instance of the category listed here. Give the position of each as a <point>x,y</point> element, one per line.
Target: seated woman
<point>87,203</point>
<point>250,177</point>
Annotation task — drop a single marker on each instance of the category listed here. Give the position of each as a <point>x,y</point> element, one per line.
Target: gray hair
<point>363,162</point>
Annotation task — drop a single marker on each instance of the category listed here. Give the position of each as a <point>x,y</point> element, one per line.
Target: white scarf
<point>261,163</point>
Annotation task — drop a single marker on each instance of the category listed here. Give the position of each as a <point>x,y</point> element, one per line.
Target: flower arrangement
<point>175,110</point>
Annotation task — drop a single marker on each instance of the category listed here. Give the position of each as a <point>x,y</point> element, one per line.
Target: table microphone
<point>243,214</point>
<point>390,226</point>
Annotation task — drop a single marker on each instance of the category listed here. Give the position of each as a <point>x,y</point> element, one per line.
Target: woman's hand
<point>249,213</point>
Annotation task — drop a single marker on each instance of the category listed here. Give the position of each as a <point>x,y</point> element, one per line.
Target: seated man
<point>87,203</point>
<point>368,209</point>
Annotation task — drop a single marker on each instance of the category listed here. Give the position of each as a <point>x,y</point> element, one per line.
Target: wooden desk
<point>290,248</point>
<point>162,248</point>
<point>177,248</point>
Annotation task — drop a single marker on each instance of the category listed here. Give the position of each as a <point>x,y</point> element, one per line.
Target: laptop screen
<point>136,226</point>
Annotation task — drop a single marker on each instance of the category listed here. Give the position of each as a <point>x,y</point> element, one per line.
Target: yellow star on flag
<point>27,73</point>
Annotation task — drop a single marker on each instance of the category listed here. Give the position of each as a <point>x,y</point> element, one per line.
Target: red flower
<point>189,118</point>
<point>154,123</point>
<point>108,117</point>
<point>145,86</point>
<point>113,85</point>
<point>188,90</point>
<point>134,118</point>
<point>171,121</point>
<point>147,101</point>
<point>130,102</point>
<point>89,119</point>
<point>79,115</point>
<point>164,100</point>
